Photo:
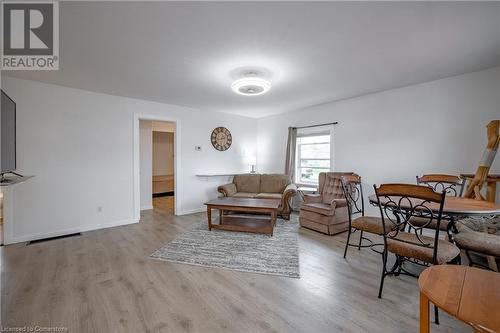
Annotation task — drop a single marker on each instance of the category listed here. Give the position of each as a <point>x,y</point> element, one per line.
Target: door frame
<point>136,169</point>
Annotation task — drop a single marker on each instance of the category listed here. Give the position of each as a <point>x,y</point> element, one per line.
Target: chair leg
<point>457,260</point>
<point>347,242</point>
<point>360,239</point>
<point>384,262</point>
<point>400,266</point>
<point>471,263</point>
<point>436,315</point>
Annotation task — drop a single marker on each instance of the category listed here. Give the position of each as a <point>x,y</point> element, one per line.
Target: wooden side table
<point>470,294</point>
<point>306,189</point>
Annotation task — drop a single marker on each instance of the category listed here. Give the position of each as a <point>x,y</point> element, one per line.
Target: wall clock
<point>221,138</point>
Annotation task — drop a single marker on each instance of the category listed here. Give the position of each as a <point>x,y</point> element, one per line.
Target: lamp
<point>251,160</point>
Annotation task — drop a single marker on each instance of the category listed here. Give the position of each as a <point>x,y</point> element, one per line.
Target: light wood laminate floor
<point>102,281</point>
<point>164,205</point>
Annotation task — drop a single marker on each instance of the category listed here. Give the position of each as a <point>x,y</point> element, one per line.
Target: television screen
<point>7,134</point>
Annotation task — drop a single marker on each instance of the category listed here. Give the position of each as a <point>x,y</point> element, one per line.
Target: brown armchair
<point>327,211</point>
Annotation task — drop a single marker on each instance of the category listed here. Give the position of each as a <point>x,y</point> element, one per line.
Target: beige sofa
<point>262,186</point>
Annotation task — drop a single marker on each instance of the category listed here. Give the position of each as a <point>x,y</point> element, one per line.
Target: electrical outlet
<point>197,148</point>
<point>99,209</point>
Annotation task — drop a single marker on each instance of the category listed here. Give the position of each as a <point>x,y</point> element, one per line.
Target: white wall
<point>163,153</point>
<point>394,135</point>
<point>145,163</point>
<point>79,145</point>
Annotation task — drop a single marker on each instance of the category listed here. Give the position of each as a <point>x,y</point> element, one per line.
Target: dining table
<point>453,208</point>
<point>469,294</point>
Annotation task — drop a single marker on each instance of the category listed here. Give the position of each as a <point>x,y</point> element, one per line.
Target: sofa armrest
<point>290,190</point>
<point>228,190</point>
<point>312,198</point>
<point>286,204</point>
<point>337,203</point>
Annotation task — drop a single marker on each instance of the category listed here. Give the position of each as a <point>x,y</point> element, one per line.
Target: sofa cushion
<point>274,183</point>
<point>244,195</point>
<point>269,196</point>
<point>247,183</point>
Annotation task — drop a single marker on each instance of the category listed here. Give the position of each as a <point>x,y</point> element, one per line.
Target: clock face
<point>221,138</point>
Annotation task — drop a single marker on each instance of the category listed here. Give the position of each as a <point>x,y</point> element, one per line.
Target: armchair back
<point>330,186</point>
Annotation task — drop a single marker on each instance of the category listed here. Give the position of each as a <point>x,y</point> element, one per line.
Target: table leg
<point>301,195</point>
<point>273,220</point>
<point>209,217</point>
<point>424,314</point>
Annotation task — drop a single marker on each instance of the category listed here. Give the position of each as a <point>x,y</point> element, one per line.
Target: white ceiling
<point>189,53</point>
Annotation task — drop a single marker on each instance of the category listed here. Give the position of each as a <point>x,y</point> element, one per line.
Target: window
<point>313,156</point>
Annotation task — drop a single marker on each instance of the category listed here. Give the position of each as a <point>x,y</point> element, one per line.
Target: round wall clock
<point>221,138</point>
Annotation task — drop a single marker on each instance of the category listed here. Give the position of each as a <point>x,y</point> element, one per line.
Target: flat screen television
<point>7,134</point>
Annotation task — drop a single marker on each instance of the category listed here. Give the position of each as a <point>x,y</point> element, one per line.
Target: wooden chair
<point>398,203</point>
<point>452,185</point>
<point>353,191</point>
<point>478,242</point>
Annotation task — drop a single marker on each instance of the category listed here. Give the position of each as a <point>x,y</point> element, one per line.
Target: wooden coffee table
<point>256,224</point>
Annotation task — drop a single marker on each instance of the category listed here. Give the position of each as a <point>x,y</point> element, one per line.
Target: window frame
<point>298,159</point>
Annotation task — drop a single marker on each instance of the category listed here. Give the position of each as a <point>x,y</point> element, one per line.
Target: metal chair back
<point>453,185</point>
<point>398,203</point>
<point>353,192</point>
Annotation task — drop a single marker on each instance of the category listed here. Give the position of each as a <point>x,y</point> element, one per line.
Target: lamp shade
<point>251,160</point>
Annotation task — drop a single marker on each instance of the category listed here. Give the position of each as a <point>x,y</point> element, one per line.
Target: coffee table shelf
<point>254,224</point>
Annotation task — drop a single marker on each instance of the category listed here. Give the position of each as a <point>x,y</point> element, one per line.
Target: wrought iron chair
<point>353,191</point>
<point>479,243</point>
<point>453,186</point>
<point>398,203</point>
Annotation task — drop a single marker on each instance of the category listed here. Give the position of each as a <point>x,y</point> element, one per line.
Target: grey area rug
<point>247,252</point>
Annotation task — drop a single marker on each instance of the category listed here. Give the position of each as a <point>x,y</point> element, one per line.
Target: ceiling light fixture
<point>251,85</point>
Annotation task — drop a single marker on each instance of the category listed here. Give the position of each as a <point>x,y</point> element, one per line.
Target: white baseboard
<point>192,211</point>
<point>20,239</point>
<point>147,207</point>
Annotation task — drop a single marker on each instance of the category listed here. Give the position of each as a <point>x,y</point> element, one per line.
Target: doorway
<point>163,166</point>
<point>156,163</point>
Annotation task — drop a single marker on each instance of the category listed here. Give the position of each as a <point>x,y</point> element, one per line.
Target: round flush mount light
<point>251,86</point>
